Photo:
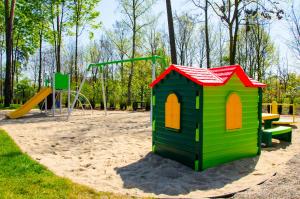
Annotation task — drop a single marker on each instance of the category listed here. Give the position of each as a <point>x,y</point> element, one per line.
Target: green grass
<point>12,106</point>
<point>22,177</point>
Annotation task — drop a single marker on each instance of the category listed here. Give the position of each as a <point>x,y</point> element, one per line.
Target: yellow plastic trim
<point>233,112</point>
<point>268,116</point>
<point>274,107</point>
<point>172,112</point>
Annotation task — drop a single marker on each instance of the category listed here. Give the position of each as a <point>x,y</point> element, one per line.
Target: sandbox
<point>113,154</point>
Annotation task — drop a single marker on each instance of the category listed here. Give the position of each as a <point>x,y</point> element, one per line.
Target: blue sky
<point>279,29</point>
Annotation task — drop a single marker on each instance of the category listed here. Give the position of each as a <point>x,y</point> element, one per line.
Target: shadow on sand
<point>157,175</point>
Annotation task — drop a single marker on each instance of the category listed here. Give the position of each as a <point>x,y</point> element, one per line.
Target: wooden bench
<point>281,133</point>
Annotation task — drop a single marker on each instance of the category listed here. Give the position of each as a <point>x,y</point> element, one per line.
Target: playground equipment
<point>60,83</point>
<point>30,104</point>
<point>206,117</point>
<point>93,66</point>
<point>273,108</point>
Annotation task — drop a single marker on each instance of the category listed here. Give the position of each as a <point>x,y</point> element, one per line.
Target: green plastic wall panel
<point>198,102</point>
<point>259,129</point>
<point>220,145</point>
<point>61,81</point>
<point>177,145</point>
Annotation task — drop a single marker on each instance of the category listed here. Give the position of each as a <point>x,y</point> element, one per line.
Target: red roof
<point>210,77</point>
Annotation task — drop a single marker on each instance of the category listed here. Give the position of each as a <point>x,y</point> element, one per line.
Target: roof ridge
<point>210,76</point>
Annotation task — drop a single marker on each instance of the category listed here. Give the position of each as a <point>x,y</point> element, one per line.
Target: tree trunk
<point>14,67</point>
<point>59,35</point>
<point>207,35</point>
<point>236,29</point>
<point>231,57</point>
<point>9,19</point>
<point>41,61</point>
<point>76,54</point>
<point>1,73</point>
<point>133,54</point>
<point>171,32</point>
<point>131,70</point>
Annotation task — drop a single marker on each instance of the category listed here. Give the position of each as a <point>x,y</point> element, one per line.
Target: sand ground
<point>113,153</point>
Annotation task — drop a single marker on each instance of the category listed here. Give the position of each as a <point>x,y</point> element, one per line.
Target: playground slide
<point>37,98</point>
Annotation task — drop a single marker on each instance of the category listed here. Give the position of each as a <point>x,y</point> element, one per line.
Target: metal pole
<point>46,105</point>
<point>53,95</point>
<point>103,92</point>
<point>60,100</point>
<point>153,78</point>
<point>69,95</point>
<point>46,99</point>
<point>77,94</point>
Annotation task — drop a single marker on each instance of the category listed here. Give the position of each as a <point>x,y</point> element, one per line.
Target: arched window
<point>172,112</point>
<point>233,112</point>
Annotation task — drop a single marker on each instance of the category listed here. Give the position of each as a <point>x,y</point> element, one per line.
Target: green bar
<point>196,165</point>
<point>197,102</point>
<point>153,100</point>
<point>152,58</point>
<point>153,125</point>
<point>153,148</point>
<point>197,137</point>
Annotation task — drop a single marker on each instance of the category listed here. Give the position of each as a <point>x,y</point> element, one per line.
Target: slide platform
<point>35,100</point>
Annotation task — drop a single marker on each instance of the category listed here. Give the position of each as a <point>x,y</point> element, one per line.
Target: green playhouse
<point>206,117</point>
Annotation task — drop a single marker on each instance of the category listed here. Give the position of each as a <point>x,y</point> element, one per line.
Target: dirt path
<point>285,184</point>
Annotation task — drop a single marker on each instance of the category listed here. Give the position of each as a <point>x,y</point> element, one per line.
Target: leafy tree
<point>185,29</point>
<point>234,13</point>
<point>134,10</point>
<point>42,25</point>
<point>24,90</point>
<point>205,7</point>
<point>25,36</point>
<point>295,30</point>
<point>58,11</point>
<point>255,51</point>
<point>83,15</point>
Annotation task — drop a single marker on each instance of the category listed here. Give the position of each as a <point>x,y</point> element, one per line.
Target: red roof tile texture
<point>210,77</point>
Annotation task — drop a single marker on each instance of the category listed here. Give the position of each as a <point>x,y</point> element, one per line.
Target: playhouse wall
<point>178,145</point>
<point>220,145</point>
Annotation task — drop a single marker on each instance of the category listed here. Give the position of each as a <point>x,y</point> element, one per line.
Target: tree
<point>255,50</point>
<point>2,47</point>
<point>83,14</point>
<point>42,18</point>
<point>58,9</point>
<point>295,31</point>
<point>185,30</point>
<point>171,32</point>
<point>9,25</point>
<point>134,10</point>
<point>204,7</point>
<point>232,13</point>
<point>121,41</point>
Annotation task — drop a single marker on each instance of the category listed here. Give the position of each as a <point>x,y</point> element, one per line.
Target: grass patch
<point>22,177</point>
<point>12,106</point>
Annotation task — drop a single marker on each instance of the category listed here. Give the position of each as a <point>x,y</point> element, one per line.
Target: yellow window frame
<point>234,111</point>
<point>172,112</point>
